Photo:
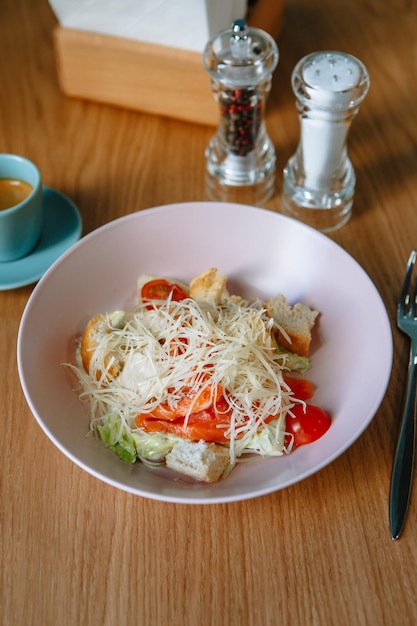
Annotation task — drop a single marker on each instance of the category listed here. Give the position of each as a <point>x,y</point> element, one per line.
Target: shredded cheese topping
<point>150,355</point>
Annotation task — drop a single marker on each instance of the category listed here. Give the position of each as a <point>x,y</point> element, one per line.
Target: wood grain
<point>143,76</point>
<point>134,74</point>
<point>77,552</point>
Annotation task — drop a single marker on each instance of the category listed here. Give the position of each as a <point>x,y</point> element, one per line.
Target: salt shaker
<point>319,180</point>
<point>240,158</point>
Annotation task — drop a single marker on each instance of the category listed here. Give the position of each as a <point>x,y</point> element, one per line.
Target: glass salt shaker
<point>240,158</point>
<point>319,180</point>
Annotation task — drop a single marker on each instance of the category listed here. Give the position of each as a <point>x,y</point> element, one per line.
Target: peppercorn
<point>241,111</point>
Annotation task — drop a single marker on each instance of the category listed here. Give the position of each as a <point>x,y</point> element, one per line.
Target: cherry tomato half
<point>302,389</point>
<point>308,424</point>
<point>160,289</point>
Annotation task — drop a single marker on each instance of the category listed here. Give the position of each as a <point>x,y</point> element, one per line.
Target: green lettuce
<point>295,362</point>
<point>132,446</point>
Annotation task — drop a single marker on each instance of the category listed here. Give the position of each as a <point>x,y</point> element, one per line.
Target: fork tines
<point>406,300</point>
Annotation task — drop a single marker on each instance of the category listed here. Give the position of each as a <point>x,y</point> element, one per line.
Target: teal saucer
<point>61,228</point>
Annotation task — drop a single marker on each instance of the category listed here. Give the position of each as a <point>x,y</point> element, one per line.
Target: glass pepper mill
<point>240,158</point>
<point>319,180</point>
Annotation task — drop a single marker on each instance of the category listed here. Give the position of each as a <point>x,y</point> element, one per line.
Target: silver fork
<point>402,471</point>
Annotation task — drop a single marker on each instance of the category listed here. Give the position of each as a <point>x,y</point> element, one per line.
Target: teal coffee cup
<point>20,207</point>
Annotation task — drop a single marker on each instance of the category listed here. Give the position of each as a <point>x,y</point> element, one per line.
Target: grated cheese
<point>161,351</point>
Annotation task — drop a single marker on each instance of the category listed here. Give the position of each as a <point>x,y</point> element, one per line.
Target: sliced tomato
<point>160,289</point>
<point>209,424</point>
<point>307,425</point>
<point>302,389</point>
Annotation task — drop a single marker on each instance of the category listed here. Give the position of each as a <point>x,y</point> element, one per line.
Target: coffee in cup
<point>20,207</point>
<point>13,191</point>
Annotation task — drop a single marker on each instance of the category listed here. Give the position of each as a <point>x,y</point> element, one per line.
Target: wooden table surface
<point>76,551</point>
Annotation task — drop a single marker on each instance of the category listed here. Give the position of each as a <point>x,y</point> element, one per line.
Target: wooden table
<point>76,551</point>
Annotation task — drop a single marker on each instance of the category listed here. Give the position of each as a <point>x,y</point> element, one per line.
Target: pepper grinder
<point>319,180</point>
<point>240,158</point>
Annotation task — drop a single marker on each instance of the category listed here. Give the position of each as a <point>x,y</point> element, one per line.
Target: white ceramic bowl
<point>262,253</point>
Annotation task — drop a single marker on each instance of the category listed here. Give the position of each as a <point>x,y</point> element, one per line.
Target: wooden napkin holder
<point>141,76</point>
